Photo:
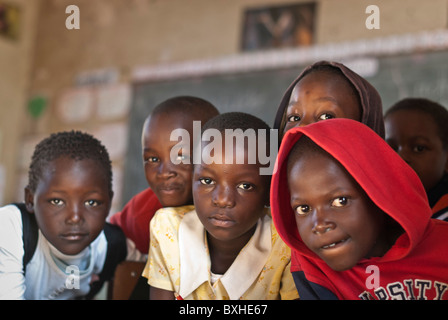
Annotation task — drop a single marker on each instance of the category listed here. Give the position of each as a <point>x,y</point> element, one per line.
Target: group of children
<point>353,209</point>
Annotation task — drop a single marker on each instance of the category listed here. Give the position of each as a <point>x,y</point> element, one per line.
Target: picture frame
<point>9,21</point>
<point>278,27</point>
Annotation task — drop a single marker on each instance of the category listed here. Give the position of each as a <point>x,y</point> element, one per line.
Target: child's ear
<point>29,200</point>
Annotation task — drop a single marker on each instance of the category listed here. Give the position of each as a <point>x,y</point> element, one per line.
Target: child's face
<point>170,182</point>
<point>321,96</point>
<point>334,216</point>
<point>229,198</point>
<point>71,202</point>
<point>414,136</point>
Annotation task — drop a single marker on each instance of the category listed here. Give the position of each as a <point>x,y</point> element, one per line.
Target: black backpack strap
<point>116,253</point>
<point>30,234</point>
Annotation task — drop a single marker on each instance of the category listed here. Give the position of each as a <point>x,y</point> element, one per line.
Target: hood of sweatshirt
<point>389,182</point>
<point>371,105</point>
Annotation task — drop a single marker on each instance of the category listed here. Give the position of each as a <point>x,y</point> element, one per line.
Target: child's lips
<point>335,244</point>
<point>170,189</point>
<point>222,221</point>
<point>74,236</point>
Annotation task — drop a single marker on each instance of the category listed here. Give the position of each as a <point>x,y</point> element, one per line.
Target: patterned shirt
<point>179,261</point>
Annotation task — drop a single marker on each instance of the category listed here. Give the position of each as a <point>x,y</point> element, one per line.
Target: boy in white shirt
<point>67,199</point>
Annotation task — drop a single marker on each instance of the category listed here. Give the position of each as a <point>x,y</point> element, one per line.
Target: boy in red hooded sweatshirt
<point>358,216</point>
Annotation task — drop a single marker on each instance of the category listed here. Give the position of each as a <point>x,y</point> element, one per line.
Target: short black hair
<point>75,145</point>
<point>436,111</point>
<point>238,120</point>
<point>198,107</point>
<point>235,120</point>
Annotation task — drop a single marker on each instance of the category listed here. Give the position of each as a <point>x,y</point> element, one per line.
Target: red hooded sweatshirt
<point>415,267</point>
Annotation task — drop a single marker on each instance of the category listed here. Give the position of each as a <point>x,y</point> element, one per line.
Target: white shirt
<point>50,274</point>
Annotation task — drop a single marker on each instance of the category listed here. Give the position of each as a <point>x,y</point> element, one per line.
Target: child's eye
<point>326,116</point>
<point>245,186</point>
<point>419,148</point>
<point>56,202</point>
<point>206,181</point>
<point>151,159</point>
<point>303,209</point>
<point>339,202</point>
<point>92,203</point>
<point>293,118</point>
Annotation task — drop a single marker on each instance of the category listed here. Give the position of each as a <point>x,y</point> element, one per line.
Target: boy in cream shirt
<point>227,247</point>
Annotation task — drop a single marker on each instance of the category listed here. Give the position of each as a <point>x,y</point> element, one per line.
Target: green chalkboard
<point>413,75</point>
<point>259,93</point>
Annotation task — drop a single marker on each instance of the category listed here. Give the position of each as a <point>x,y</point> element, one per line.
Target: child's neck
<point>223,253</point>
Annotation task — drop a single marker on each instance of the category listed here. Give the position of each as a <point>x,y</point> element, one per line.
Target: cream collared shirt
<point>179,261</point>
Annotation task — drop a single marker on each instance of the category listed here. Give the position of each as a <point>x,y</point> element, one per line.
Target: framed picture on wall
<point>9,21</point>
<point>278,26</point>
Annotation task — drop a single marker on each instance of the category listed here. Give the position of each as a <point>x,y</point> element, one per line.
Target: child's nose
<point>75,214</point>
<point>223,197</point>
<point>166,169</point>
<point>306,120</point>
<point>321,223</point>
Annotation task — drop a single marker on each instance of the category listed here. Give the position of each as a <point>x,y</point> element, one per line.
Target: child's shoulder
<point>9,208</point>
<point>277,243</point>
<point>440,228</point>
<point>170,212</point>
<point>10,215</point>
<point>11,231</point>
<point>434,240</point>
<point>176,210</point>
<point>170,216</point>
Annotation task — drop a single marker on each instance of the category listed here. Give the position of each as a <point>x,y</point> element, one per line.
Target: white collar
<point>195,258</point>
